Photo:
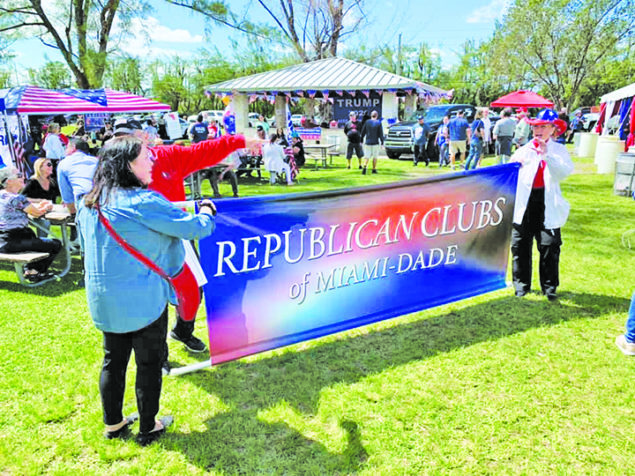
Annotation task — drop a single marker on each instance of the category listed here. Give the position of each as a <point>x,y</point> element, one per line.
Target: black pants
<point>548,243</point>
<point>149,348</point>
<point>213,176</point>
<point>24,239</point>
<point>420,155</point>
<point>182,328</point>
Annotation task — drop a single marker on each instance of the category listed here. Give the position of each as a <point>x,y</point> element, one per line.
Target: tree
<point>5,79</point>
<point>312,28</point>
<point>170,82</point>
<point>79,29</point>
<point>53,75</point>
<point>558,44</point>
<point>610,74</point>
<point>125,74</point>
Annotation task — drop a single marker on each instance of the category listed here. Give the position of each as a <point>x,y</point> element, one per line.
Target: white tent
<point>625,92</point>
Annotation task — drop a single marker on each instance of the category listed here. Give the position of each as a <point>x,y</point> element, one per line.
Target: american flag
<point>289,125</point>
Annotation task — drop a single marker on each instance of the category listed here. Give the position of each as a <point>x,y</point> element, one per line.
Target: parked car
<point>296,119</point>
<point>185,125</point>
<point>254,118</point>
<point>400,137</point>
<point>214,114</point>
<point>589,120</point>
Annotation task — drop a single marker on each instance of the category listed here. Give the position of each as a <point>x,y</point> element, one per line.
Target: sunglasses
<point>48,164</point>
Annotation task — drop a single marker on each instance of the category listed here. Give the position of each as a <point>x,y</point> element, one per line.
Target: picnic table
<point>323,150</point>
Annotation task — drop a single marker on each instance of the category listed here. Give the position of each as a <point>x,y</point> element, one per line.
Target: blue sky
<point>443,25</point>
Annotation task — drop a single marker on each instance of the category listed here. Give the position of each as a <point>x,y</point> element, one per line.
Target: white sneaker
<point>627,348</point>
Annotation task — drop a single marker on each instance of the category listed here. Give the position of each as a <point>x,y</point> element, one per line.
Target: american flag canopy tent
<point>34,100</point>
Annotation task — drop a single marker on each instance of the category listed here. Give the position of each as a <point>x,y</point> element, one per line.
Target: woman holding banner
<point>127,300</point>
<point>540,209</point>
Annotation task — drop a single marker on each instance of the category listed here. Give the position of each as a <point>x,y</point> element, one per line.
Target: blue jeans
<point>476,147</point>
<point>444,155</point>
<point>630,322</point>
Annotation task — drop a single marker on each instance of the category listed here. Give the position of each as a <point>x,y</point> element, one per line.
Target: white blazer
<point>559,166</point>
<point>273,157</point>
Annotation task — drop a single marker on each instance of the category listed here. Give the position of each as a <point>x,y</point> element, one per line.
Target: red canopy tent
<point>18,102</point>
<point>35,100</point>
<point>522,99</point>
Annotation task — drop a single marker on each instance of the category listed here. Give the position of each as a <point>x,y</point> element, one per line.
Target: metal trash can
<point>624,174</point>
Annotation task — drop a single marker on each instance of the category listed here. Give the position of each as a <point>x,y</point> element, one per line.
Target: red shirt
<point>175,162</point>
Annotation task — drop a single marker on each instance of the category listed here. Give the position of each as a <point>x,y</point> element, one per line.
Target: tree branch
<point>185,4</point>
<point>14,27</point>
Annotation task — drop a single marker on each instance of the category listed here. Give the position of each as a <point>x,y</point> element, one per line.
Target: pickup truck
<point>400,137</point>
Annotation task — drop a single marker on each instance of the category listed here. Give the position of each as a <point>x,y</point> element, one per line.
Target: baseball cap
<point>125,126</point>
<point>419,117</point>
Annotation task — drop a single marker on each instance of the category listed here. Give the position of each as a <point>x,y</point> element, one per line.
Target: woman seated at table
<point>282,137</point>
<point>274,159</point>
<point>42,186</point>
<point>298,150</point>
<point>15,233</point>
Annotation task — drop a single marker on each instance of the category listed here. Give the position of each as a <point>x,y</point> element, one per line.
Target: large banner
<point>284,269</point>
<point>360,104</point>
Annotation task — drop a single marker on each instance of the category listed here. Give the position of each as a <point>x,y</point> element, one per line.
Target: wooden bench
<point>19,260</point>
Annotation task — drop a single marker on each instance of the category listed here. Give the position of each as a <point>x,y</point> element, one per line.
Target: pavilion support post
<point>281,111</point>
<point>410,106</point>
<point>309,107</point>
<point>389,107</point>
<point>241,110</point>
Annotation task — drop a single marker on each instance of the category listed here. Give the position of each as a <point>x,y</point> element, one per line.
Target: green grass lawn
<point>493,384</point>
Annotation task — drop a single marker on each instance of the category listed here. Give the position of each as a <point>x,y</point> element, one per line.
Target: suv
<point>400,137</point>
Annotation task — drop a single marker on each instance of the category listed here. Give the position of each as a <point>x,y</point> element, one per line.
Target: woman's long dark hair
<point>113,170</point>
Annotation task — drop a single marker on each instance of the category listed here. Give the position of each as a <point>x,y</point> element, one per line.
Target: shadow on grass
<point>67,284</point>
<point>239,441</point>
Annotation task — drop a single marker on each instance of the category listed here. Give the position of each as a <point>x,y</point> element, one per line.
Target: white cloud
<point>148,38</point>
<point>158,32</point>
<point>494,10</point>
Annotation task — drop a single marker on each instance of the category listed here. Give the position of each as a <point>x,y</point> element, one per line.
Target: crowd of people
<point>126,218</point>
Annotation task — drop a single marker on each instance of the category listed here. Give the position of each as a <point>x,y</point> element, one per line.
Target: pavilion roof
<point>331,74</point>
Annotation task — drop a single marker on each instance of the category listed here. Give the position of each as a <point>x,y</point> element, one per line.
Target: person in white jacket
<point>540,210</point>
<point>273,157</point>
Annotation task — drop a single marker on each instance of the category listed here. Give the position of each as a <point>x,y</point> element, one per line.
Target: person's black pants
<point>420,155</point>
<point>149,348</point>
<point>213,176</point>
<point>548,243</point>
<point>24,239</point>
<point>182,328</point>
